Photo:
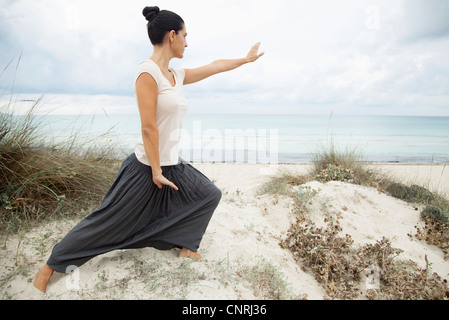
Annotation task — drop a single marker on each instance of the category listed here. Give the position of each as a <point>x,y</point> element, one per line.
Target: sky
<point>321,57</point>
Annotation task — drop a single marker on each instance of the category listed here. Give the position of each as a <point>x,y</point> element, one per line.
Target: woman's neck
<point>161,57</point>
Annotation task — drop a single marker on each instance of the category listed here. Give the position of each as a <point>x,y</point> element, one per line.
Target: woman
<point>157,200</point>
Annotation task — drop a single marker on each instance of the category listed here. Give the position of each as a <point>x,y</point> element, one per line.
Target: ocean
<point>272,138</point>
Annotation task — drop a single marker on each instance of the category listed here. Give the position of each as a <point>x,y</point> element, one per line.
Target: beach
<point>242,255</point>
<point>331,153</point>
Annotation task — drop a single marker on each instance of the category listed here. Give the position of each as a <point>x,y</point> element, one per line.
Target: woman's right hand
<point>160,180</point>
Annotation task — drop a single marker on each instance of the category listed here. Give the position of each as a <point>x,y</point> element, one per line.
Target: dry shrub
<point>434,233</point>
<point>400,279</point>
<point>339,267</point>
<point>327,255</point>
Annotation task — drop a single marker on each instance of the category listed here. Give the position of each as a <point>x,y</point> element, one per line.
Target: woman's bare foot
<point>42,277</point>
<point>186,253</point>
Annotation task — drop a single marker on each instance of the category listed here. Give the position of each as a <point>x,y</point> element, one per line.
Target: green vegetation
<point>332,164</point>
<point>39,180</point>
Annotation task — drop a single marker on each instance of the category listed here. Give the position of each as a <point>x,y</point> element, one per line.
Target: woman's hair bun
<point>150,13</point>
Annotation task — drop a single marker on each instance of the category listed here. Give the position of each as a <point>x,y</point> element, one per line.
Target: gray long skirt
<point>135,213</point>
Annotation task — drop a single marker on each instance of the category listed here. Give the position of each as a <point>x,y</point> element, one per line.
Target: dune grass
<point>41,180</point>
<point>333,163</point>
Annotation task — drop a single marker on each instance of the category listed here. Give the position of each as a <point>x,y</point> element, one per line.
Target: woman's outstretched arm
<point>198,74</point>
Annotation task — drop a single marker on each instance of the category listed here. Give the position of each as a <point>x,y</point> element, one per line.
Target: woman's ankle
<point>42,277</point>
<point>186,253</point>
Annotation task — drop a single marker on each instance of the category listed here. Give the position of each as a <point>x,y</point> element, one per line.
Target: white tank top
<point>171,107</point>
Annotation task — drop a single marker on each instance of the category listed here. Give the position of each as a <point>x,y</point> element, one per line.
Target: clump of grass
<point>38,180</point>
<point>267,280</point>
<point>332,164</point>
<point>282,183</point>
<point>331,155</point>
<point>413,193</point>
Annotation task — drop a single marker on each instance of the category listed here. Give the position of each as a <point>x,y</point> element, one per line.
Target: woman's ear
<point>171,35</point>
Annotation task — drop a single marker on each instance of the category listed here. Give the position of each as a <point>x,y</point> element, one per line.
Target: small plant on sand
<point>282,183</point>
<point>266,280</point>
<point>332,164</point>
<point>336,173</point>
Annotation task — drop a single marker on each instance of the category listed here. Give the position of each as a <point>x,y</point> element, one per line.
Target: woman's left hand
<point>254,54</point>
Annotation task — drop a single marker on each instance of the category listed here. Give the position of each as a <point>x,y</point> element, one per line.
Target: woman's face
<point>179,43</point>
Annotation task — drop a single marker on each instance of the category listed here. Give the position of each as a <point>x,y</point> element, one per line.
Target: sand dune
<point>242,257</point>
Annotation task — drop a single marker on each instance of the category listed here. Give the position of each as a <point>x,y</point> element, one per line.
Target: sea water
<point>252,138</point>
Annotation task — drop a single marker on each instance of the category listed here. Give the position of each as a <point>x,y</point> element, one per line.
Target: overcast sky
<point>321,56</point>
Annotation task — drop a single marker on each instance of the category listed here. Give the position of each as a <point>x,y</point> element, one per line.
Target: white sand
<point>242,239</point>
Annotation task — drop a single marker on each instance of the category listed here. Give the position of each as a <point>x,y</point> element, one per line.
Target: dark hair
<point>160,23</point>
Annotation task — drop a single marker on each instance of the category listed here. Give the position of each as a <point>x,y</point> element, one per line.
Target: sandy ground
<point>242,258</point>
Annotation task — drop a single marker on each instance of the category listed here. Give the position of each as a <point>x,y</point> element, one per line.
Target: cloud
<point>73,47</point>
<point>323,56</point>
<point>422,20</point>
